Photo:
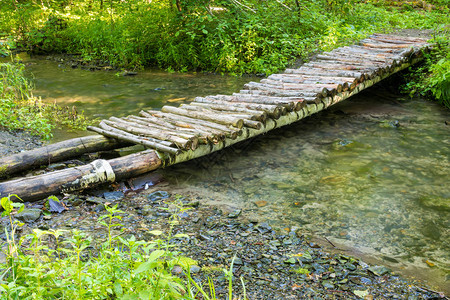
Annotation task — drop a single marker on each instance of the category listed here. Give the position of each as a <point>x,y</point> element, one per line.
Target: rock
<point>158,196</point>
<point>113,196</point>
<point>194,269</point>
<point>327,284</point>
<point>379,270</point>
<point>129,73</point>
<point>99,208</point>
<point>54,167</point>
<point>234,214</point>
<point>435,202</point>
<point>260,203</point>
<point>29,215</point>
<point>177,270</point>
<point>238,261</point>
<point>96,200</point>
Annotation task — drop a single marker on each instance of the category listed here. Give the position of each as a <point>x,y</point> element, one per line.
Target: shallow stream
<point>370,175</point>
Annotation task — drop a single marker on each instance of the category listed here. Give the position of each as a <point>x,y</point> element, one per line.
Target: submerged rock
<point>379,270</point>
<point>158,196</point>
<point>113,196</point>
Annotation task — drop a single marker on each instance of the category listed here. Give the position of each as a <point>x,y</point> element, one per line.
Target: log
<point>104,126</point>
<point>387,41</point>
<point>353,67</point>
<point>215,118</point>
<point>400,38</point>
<point>57,152</point>
<point>135,140</point>
<point>288,103</point>
<point>305,85</point>
<point>272,111</point>
<point>203,136</point>
<point>81,177</point>
<point>346,82</point>
<point>267,91</point>
<point>306,90</point>
<point>337,73</point>
<point>258,114</point>
<point>358,59</point>
<point>212,134</point>
<point>182,140</point>
<point>231,132</point>
<point>381,45</point>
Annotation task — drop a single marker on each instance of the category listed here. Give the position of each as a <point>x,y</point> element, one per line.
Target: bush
<point>432,79</point>
<point>220,36</point>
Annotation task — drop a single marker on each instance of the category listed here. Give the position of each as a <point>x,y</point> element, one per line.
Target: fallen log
<point>57,152</point>
<point>82,177</point>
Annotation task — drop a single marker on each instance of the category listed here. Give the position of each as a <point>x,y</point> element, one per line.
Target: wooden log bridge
<point>211,123</point>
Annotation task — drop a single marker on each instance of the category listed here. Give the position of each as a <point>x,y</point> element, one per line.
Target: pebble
<point>113,196</point>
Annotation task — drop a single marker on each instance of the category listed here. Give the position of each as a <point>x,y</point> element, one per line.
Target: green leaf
<point>181,235</point>
<point>156,232</point>
<point>118,289</point>
<point>361,294</point>
<point>144,267</point>
<point>144,295</point>
<point>156,254</point>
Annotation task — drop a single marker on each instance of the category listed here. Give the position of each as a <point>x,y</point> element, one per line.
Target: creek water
<point>370,175</point>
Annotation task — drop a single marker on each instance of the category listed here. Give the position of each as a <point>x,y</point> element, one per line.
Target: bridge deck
<point>211,123</point>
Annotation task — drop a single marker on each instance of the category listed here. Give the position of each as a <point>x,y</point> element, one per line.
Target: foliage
<point>57,264</point>
<point>433,77</point>
<point>249,36</point>
<point>19,109</point>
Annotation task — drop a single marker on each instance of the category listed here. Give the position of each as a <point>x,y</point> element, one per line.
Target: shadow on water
<point>369,174</point>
